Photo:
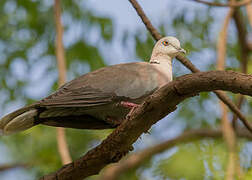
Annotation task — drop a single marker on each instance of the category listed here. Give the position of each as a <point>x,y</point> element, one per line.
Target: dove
<point>100,99</point>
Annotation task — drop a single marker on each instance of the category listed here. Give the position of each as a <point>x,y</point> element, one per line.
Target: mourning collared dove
<point>100,99</point>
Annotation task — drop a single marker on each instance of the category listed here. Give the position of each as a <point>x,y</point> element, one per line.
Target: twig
<point>186,62</point>
<point>242,37</point>
<point>145,20</point>
<point>249,12</point>
<point>250,44</point>
<point>5,167</point>
<point>231,4</point>
<point>134,160</point>
<point>234,108</point>
<point>61,138</point>
<point>155,107</point>
<point>222,42</point>
<point>238,104</point>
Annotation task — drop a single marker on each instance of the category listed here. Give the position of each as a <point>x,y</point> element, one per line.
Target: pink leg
<point>128,104</point>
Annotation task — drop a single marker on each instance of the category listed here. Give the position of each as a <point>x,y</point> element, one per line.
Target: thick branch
<point>134,160</point>
<point>156,106</point>
<point>230,4</point>
<point>60,54</point>
<point>186,62</point>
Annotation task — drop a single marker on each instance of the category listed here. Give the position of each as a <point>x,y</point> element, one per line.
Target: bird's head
<point>167,47</point>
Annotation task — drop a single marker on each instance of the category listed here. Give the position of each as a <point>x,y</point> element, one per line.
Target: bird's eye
<point>165,43</point>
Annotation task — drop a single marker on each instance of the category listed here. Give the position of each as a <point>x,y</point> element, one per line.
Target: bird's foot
<point>131,112</point>
<point>113,121</point>
<point>128,104</point>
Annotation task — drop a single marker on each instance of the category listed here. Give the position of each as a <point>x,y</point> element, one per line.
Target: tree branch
<point>155,107</point>
<point>155,34</point>
<point>6,167</point>
<point>242,37</point>
<point>134,160</point>
<point>60,54</point>
<point>249,12</point>
<point>186,62</point>
<point>222,42</point>
<point>239,105</point>
<point>231,4</point>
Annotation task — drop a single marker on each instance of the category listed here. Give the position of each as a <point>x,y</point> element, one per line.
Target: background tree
<point>28,61</point>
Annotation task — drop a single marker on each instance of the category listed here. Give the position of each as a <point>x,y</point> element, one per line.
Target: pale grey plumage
<point>92,101</point>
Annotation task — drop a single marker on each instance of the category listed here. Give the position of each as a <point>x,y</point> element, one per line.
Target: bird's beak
<point>182,50</point>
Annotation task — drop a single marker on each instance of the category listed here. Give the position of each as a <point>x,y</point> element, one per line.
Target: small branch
<point>145,20</point>
<point>234,108</point>
<point>6,167</point>
<point>61,139</point>
<point>238,104</point>
<point>249,12</point>
<point>222,42</point>
<point>60,52</point>
<point>250,44</point>
<point>134,160</point>
<point>155,107</point>
<point>186,62</point>
<point>242,37</point>
<point>231,4</point>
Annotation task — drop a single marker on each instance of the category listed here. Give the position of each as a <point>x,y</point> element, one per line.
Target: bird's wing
<point>78,97</point>
<point>105,86</point>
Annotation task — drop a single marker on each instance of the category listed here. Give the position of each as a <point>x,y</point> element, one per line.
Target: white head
<point>166,48</point>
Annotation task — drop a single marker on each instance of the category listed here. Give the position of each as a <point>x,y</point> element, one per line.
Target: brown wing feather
<point>105,86</point>
<point>80,97</point>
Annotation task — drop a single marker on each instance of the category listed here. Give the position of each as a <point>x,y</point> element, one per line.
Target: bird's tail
<point>19,120</point>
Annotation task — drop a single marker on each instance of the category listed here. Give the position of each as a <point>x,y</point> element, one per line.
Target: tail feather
<point>6,119</point>
<point>18,121</point>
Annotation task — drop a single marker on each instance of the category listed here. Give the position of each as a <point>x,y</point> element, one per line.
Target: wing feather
<point>80,97</point>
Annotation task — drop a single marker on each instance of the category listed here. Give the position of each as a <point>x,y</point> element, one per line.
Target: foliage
<point>28,72</point>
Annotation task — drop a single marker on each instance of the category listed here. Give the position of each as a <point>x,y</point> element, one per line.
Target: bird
<point>100,99</point>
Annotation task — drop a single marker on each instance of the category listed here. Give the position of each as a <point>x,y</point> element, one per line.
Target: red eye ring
<point>165,43</point>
